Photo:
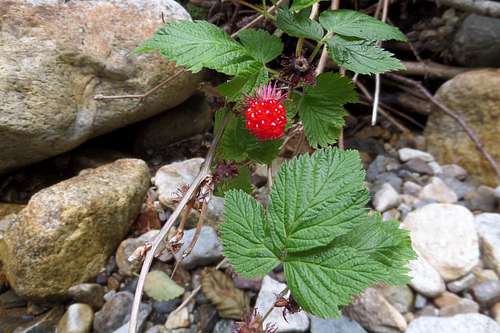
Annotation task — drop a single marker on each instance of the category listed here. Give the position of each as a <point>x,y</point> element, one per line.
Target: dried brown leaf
<point>230,302</point>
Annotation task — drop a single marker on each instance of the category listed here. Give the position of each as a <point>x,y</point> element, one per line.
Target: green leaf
<point>241,182</point>
<point>322,282</point>
<point>239,145</point>
<point>301,4</point>
<point>199,44</point>
<point>361,56</point>
<point>384,242</point>
<point>299,25</point>
<point>236,88</point>
<point>315,199</point>
<point>321,108</point>
<point>355,24</point>
<point>244,236</point>
<point>261,45</point>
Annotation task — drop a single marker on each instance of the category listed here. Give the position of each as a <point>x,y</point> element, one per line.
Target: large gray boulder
<point>56,56</point>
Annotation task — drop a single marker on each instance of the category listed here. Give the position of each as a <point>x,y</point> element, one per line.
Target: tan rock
<point>375,313</point>
<point>7,209</point>
<point>475,96</point>
<point>66,233</point>
<point>54,63</point>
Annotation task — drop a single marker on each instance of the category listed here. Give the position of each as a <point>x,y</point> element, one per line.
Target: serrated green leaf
<point>239,145</point>
<point>315,199</point>
<point>299,25</point>
<point>199,44</point>
<point>355,24</point>
<point>244,237</point>
<point>323,282</point>
<point>242,182</point>
<point>321,108</point>
<point>384,242</point>
<point>261,45</point>
<point>301,4</point>
<point>361,56</point>
<point>241,86</point>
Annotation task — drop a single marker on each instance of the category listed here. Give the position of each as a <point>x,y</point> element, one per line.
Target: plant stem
<point>315,51</point>
<point>298,48</point>
<point>200,178</point>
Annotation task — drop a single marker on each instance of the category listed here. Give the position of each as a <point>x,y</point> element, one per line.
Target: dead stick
<point>367,94</point>
<point>472,135</point>
<point>200,178</point>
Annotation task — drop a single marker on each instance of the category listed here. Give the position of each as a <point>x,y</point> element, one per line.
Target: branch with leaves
<point>316,224</point>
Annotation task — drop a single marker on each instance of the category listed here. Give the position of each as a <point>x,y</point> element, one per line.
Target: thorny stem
<point>315,51</point>
<point>258,18</point>
<point>200,178</point>
<point>324,53</point>
<point>281,294</point>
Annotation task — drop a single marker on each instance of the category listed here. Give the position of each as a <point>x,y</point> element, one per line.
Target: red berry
<point>265,115</point>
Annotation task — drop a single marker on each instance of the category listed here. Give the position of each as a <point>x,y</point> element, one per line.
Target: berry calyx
<point>265,115</point>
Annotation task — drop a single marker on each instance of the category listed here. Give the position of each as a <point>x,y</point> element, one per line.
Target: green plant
<point>316,224</point>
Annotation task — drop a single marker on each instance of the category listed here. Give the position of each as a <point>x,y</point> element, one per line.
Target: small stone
<point>166,306</point>
<point>387,177</point>
<point>463,306</point>
<point>114,313</point>
<point>88,293</point>
<point>419,166</point>
<point>144,311</point>
<point>401,297</point>
<point>483,275</point>
<point>446,299</point>
<point>127,248</point>
<point>495,312</point>
<point>488,229</point>
<point>420,302</point>
<point>436,168</point>
<point>446,237</point>
<point>341,325</point>
<point>178,319</point>
<point>207,250</point>
<point>225,326</point>
<point>43,323</point>
<point>386,198</point>
<point>375,313</point>
<point>157,329</point>
<point>296,322</point>
<point>10,299</point>
<point>428,311</point>
<point>462,284</point>
<point>425,279</point>
<point>406,154</point>
<point>460,188</point>
<point>487,293</point>
<point>380,165</point>
<point>464,323</point>
<point>453,170</point>
<point>411,188</point>
<point>438,191</point>
<point>482,199</point>
<point>77,319</point>
<point>391,215</point>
